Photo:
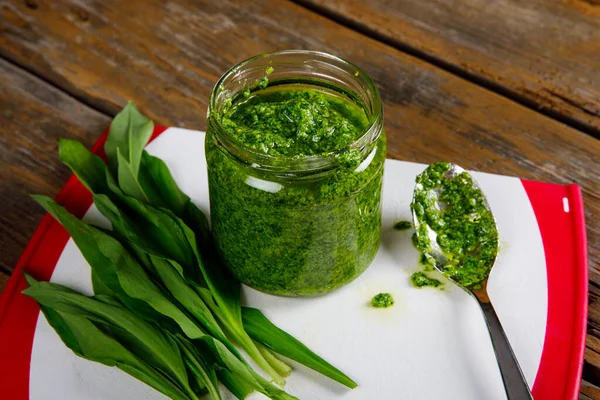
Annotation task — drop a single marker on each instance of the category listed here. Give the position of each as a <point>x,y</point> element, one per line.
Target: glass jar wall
<point>295,151</point>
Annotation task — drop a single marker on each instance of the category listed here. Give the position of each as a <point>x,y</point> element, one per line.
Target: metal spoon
<point>512,376</point>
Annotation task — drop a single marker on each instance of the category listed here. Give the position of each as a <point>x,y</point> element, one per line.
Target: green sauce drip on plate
<point>382,300</point>
<point>402,225</point>
<point>419,280</point>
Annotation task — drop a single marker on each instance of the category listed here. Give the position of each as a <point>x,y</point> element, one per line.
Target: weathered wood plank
<point>584,397</point>
<point>589,391</point>
<point>167,55</point>
<point>543,52</point>
<point>593,340</point>
<point>3,279</point>
<point>33,115</point>
<point>594,314</point>
<point>591,368</point>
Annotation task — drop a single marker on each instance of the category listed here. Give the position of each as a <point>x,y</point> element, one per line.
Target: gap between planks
<point>449,67</point>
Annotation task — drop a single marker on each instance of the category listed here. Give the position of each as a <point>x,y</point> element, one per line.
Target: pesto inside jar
<point>295,120</point>
<point>304,232</point>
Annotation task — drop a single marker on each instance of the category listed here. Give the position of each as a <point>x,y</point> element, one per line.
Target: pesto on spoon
<point>456,233</point>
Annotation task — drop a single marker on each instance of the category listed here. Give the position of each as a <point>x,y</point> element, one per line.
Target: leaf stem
<point>280,366</point>
<point>239,335</point>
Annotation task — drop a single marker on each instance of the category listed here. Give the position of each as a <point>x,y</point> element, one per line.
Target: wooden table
<point>500,86</point>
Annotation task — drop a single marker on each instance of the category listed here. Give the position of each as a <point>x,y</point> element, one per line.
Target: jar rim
<point>299,164</point>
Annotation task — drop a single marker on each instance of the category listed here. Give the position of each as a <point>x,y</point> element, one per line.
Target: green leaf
<point>136,283</point>
<point>132,281</point>
<point>102,253</point>
<point>198,366</point>
<point>100,288</point>
<point>227,360</point>
<point>264,332</point>
<point>143,339</point>
<point>87,341</point>
<point>89,168</point>
<point>238,387</point>
<point>156,180</point>
<point>281,367</point>
<point>224,289</point>
<point>171,274</point>
<point>127,179</point>
<point>198,222</point>
<point>240,336</point>
<point>163,234</point>
<point>129,132</point>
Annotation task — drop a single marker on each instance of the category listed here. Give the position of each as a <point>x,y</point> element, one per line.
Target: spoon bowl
<point>457,234</point>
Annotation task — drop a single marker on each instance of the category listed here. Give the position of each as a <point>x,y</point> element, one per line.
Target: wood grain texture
<point>3,279</point>
<point>33,115</point>
<point>166,56</point>
<point>589,391</point>
<point>545,52</point>
<point>591,367</point>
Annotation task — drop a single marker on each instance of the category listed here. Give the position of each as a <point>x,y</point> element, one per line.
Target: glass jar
<point>296,225</point>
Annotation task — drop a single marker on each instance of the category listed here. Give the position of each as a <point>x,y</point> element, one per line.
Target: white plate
<point>431,344</point>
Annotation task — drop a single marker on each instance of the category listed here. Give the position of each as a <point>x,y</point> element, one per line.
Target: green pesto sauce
<point>295,121</point>
<point>382,300</point>
<point>465,228</point>
<point>419,279</point>
<point>402,225</point>
<point>291,236</point>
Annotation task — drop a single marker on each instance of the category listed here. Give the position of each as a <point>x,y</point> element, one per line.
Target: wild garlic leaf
<point>129,133</point>
<point>239,335</point>
<point>143,339</point>
<point>224,288</point>
<point>170,274</point>
<point>225,291</point>
<point>89,168</point>
<point>132,281</point>
<point>101,252</point>
<point>136,284</point>
<point>99,287</point>
<point>165,234</point>
<point>198,366</point>
<point>278,365</point>
<point>238,387</point>
<point>263,331</point>
<point>87,341</point>
<point>155,178</point>
<point>127,179</point>
<point>223,357</point>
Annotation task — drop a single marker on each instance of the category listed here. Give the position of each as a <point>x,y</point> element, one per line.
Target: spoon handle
<point>512,376</point>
